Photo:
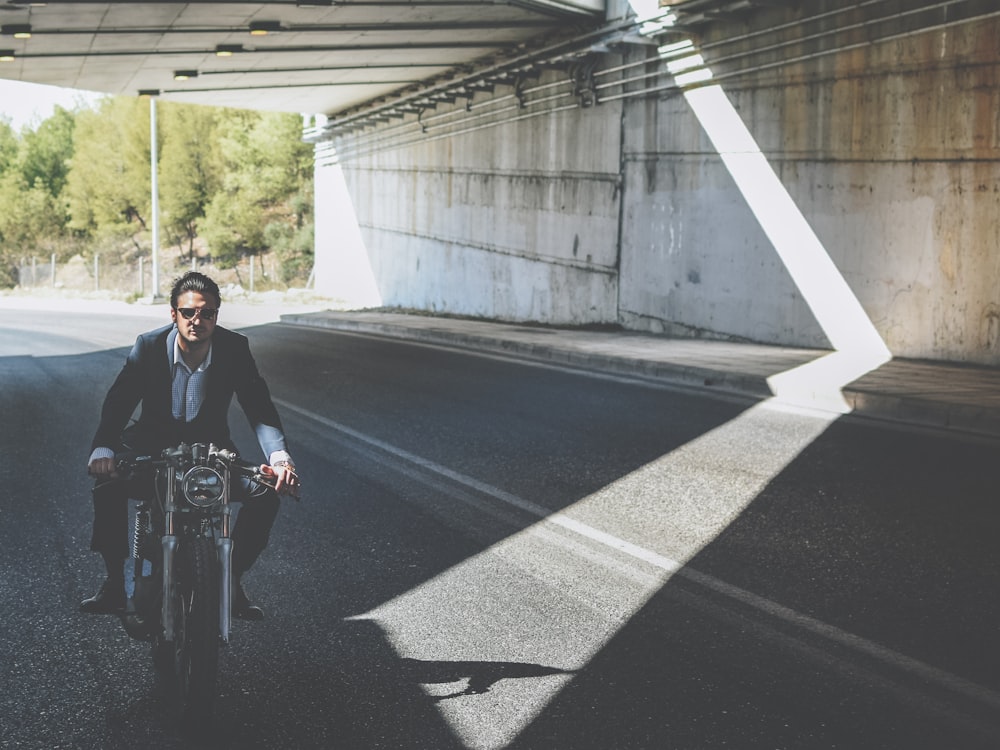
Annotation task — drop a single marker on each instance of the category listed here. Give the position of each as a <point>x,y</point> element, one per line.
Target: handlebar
<point>130,464</point>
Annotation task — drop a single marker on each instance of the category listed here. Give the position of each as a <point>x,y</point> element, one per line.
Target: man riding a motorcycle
<point>184,375</point>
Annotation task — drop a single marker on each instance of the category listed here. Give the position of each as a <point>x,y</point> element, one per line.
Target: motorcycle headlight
<point>203,487</point>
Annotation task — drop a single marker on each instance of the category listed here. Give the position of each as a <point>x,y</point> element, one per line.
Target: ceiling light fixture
<point>6,55</point>
<point>263,28</point>
<point>17,30</point>
<point>148,93</point>
<point>184,75</point>
<point>227,50</point>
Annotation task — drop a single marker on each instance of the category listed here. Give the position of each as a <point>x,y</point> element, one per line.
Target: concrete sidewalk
<point>953,397</point>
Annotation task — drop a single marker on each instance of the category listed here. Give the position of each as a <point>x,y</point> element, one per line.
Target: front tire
<point>192,658</point>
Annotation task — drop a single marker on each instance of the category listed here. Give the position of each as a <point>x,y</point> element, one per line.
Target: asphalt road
<point>493,554</point>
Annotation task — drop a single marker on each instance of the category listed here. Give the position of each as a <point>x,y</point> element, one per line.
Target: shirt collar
<point>178,359</point>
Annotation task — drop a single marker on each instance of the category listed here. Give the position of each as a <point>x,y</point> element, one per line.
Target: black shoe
<point>242,607</point>
<point>110,600</point>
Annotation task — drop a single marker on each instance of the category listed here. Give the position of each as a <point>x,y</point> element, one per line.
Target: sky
<point>31,103</point>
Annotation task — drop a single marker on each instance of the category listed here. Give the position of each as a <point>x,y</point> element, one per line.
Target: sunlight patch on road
<point>664,513</point>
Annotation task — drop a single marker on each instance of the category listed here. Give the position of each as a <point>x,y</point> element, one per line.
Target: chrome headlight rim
<point>203,487</point>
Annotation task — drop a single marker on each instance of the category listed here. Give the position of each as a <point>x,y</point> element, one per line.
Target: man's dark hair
<point>193,281</point>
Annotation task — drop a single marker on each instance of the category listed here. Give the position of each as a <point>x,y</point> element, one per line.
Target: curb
<point>732,383</point>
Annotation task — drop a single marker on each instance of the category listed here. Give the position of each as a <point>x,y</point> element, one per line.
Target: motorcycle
<point>179,577</point>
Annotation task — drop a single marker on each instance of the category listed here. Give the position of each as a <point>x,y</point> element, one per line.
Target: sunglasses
<point>205,313</point>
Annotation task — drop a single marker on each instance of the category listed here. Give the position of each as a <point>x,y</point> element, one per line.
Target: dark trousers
<point>250,531</point>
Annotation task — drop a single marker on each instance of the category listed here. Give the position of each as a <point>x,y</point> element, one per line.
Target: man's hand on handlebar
<point>102,467</point>
<point>285,480</point>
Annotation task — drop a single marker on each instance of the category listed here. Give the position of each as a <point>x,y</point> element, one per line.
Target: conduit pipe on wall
<point>759,67</point>
<point>506,108</point>
<point>707,48</point>
<point>729,75</point>
<point>426,138</point>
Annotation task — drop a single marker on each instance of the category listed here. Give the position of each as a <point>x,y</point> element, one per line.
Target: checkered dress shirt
<point>188,391</point>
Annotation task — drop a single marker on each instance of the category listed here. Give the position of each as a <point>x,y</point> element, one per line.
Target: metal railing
<point>134,278</point>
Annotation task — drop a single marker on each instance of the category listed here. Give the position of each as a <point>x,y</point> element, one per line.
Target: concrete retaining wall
<point>624,212</point>
<point>515,221</point>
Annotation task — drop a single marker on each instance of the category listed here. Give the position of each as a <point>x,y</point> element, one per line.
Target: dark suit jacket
<point>146,378</point>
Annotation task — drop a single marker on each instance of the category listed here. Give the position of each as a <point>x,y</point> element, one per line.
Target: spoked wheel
<point>191,660</point>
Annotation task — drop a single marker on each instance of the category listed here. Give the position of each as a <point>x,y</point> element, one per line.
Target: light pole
<point>156,200</point>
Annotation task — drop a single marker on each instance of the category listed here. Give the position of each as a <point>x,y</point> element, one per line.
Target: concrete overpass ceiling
<point>343,58</point>
<point>313,57</point>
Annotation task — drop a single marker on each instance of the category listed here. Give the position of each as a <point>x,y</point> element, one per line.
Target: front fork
<point>169,600</point>
<point>224,548</point>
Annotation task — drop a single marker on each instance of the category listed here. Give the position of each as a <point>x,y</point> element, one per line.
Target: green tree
<point>292,240</point>
<point>8,155</point>
<point>9,146</point>
<point>267,166</point>
<point>190,167</point>
<point>46,151</point>
<point>32,174</point>
<point>108,186</point>
<point>32,222</point>
<point>33,219</point>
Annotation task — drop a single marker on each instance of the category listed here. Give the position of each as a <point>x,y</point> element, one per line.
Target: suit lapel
<point>163,371</point>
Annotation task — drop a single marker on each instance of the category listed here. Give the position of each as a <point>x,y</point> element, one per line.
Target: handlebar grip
<point>132,460</point>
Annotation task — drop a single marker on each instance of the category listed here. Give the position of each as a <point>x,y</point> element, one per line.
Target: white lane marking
<point>883,654</point>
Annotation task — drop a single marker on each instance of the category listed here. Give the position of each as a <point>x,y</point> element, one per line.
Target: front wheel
<point>191,660</point>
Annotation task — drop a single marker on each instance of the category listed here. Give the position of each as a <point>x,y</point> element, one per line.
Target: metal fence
<point>136,278</point>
